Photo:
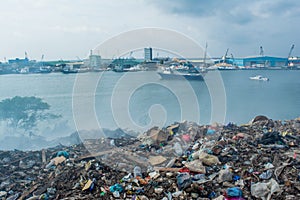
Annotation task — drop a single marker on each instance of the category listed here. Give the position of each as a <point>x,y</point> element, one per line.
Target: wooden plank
<point>167,169</point>
<point>25,194</point>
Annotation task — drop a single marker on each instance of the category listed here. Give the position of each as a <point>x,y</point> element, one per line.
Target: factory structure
<point>258,62</point>
<point>255,62</point>
<point>95,63</point>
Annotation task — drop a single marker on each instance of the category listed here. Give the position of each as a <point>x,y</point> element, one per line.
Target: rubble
<point>259,160</point>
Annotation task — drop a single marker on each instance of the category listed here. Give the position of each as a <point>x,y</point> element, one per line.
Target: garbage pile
<point>259,160</point>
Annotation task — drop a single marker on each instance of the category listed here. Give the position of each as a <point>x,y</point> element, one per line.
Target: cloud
<point>233,11</point>
<point>77,29</point>
<point>239,25</point>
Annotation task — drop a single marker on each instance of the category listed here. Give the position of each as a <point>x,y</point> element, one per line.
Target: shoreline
<point>128,71</point>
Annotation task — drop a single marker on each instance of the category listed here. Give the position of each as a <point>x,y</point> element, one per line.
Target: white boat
<point>259,78</point>
<point>170,74</point>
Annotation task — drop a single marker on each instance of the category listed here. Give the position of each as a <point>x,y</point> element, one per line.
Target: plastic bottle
<point>50,164</point>
<point>178,149</point>
<point>137,171</point>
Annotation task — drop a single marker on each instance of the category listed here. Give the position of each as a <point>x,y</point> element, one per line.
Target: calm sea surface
<point>139,100</point>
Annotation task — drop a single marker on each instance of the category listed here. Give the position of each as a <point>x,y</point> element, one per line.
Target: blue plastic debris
<point>210,131</point>
<point>63,153</point>
<point>117,187</point>
<point>236,177</point>
<point>212,195</point>
<point>183,180</point>
<point>234,192</point>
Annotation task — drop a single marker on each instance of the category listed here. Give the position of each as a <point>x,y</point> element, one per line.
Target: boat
<point>44,70</point>
<point>259,78</point>
<point>226,68</point>
<point>69,71</point>
<point>83,70</point>
<point>24,70</point>
<point>170,74</point>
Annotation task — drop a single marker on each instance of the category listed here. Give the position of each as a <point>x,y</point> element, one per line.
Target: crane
<point>205,52</point>
<point>261,53</point>
<point>289,55</point>
<point>42,59</point>
<point>79,60</point>
<point>224,58</point>
<point>233,61</point>
<point>291,50</point>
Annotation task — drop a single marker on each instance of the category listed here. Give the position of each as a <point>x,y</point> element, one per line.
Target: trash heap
<point>259,160</point>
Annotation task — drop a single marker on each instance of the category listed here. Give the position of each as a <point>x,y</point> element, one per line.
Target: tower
<point>148,53</point>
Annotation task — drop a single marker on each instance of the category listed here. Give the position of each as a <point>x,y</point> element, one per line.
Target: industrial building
<point>148,54</point>
<point>258,62</point>
<point>93,62</point>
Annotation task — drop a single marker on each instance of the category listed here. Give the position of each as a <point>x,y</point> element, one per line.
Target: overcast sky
<point>67,29</point>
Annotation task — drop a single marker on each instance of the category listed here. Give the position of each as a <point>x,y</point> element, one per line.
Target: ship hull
<point>196,77</point>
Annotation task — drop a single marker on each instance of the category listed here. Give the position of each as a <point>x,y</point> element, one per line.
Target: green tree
<point>24,112</point>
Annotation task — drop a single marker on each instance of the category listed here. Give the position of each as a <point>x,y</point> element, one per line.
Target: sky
<point>69,29</point>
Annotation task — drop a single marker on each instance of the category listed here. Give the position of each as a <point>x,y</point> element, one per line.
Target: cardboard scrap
<point>155,160</point>
<point>58,160</point>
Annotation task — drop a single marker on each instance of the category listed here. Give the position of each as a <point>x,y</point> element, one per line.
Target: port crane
<point>79,60</point>
<point>289,55</point>
<point>204,58</point>
<point>224,57</point>
<point>233,60</point>
<point>261,52</point>
<point>42,60</point>
<point>291,50</point>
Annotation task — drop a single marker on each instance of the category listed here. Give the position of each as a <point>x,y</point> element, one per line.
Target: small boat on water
<point>259,78</point>
<point>69,71</point>
<point>226,68</point>
<point>170,74</point>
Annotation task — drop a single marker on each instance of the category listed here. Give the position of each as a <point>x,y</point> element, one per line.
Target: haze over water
<point>278,98</point>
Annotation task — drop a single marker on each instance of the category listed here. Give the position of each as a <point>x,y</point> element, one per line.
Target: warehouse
<point>264,62</point>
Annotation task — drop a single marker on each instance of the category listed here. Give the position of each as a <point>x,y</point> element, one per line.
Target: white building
<point>94,61</point>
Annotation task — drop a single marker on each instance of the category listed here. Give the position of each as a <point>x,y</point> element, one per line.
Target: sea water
<point>139,100</point>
